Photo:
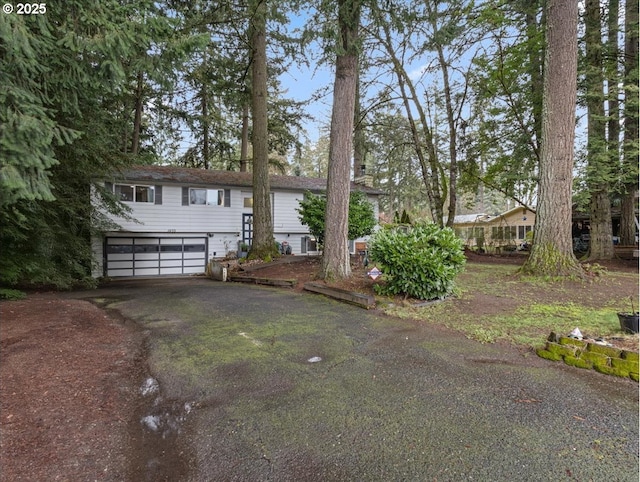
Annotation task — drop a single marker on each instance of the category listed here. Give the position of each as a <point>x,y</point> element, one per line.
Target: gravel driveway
<point>258,384</point>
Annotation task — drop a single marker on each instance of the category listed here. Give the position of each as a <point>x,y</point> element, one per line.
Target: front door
<point>247,228</point>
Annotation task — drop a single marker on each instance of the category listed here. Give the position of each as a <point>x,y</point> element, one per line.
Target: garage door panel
<point>119,272</point>
<point>170,263</point>
<point>121,264</point>
<point>119,257</point>
<point>170,256</point>
<point>147,271</point>
<point>146,256</point>
<point>177,270</point>
<point>146,264</point>
<point>192,270</point>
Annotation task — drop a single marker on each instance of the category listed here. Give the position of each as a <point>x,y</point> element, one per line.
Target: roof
<point>469,218</point>
<point>204,177</point>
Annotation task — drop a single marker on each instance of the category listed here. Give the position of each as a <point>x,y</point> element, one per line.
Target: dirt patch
<point>69,383</point>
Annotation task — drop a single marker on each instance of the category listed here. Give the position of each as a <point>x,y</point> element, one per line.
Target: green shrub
<point>421,262</point>
<point>11,294</point>
<point>361,217</point>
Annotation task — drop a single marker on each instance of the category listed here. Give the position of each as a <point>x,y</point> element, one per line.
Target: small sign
<point>374,273</point>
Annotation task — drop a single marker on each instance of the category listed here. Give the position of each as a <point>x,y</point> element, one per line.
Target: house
<point>183,217</point>
<point>505,231</point>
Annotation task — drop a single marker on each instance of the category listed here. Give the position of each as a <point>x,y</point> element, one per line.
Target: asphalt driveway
<point>259,384</point>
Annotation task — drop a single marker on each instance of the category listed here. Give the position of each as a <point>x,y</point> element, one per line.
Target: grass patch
<point>496,303</point>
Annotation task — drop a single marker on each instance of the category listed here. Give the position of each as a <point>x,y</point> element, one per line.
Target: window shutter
<point>185,196</point>
<point>227,198</point>
<point>158,190</point>
<point>108,186</point>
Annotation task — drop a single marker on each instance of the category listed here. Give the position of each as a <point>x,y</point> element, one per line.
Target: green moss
<point>563,350</point>
<point>630,355</point>
<point>595,358</point>
<point>631,366</point>
<point>572,341</point>
<point>618,372</point>
<point>634,377</point>
<point>578,362</point>
<point>605,350</point>
<point>546,354</point>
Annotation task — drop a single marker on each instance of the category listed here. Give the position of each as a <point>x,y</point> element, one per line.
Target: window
<point>133,193</point>
<point>209,197</point>
<point>503,232</point>
<point>523,230</point>
<point>247,202</point>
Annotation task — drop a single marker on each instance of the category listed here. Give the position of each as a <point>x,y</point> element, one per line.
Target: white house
<point>184,217</point>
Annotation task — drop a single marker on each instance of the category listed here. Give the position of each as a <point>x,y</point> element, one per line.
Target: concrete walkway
<point>260,384</point>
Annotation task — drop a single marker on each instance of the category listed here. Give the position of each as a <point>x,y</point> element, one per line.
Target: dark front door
<point>247,228</point>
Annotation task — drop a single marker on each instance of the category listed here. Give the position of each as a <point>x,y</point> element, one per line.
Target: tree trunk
<point>244,145</point>
<point>453,145</point>
<point>335,259</point>
<point>613,80</point>
<point>263,244</point>
<point>599,167</point>
<point>206,153</point>
<point>359,168</point>
<point>137,119</point>
<point>552,250</point>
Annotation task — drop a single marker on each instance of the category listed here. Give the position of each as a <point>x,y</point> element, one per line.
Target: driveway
<point>258,384</point>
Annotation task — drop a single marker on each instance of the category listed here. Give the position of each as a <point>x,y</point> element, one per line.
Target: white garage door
<point>137,256</point>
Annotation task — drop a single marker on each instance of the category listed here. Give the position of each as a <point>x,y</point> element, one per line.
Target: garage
<point>154,256</point>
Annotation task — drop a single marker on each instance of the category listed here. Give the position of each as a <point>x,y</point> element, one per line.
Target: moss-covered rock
<point>605,350</point>
<point>630,355</point>
<point>595,358</point>
<point>565,340</point>
<point>562,350</point>
<point>631,366</point>
<point>546,354</point>
<point>578,362</point>
<point>618,372</point>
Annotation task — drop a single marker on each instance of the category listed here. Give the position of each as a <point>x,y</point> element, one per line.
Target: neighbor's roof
<point>204,177</point>
<point>469,218</point>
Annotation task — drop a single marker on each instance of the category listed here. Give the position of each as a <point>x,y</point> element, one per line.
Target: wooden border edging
<point>364,301</point>
<point>287,283</point>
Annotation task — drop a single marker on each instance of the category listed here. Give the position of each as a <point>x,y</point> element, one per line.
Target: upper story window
<point>135,193</point>
<point>206,197</point>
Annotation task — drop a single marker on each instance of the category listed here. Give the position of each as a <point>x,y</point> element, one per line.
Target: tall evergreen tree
<point>335,259</point>
<point>263,245</point>
<point>599,166</point>
<point>552,250</point>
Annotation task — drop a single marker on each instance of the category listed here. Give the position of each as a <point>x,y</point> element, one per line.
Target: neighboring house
<point>494,233</point>
<point>185,217</point>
